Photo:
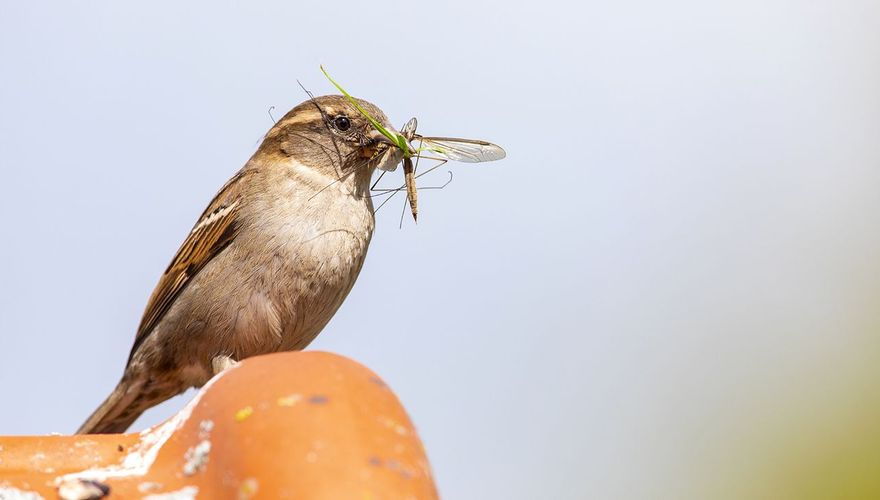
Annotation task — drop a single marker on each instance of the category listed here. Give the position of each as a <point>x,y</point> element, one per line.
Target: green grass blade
<point>399,140</point>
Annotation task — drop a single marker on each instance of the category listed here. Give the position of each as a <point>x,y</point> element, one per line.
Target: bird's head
<point>329,135</point>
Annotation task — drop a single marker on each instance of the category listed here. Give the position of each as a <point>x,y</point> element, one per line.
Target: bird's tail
<point>116,414</point>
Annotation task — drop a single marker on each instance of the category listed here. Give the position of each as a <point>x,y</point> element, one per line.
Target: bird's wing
<point>215,229</point>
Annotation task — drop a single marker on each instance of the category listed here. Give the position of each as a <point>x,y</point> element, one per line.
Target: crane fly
<point>446,148</point>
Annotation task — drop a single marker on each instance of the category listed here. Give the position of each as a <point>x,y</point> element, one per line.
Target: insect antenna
<point>325,118</point>
<point>270,114</point>
<point>392,192</point>
<point>402,214</point>
<point>418,157</point>
<point>383,192</point>
<point>442,161</point>
<point>378,179</point>
<point>355,167</point>
<point>343,177</point>
<point>448,182</point>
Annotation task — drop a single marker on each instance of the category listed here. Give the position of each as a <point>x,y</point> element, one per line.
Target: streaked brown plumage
<point>267,264</point>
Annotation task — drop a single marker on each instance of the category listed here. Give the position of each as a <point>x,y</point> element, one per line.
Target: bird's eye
<point>342,123</point>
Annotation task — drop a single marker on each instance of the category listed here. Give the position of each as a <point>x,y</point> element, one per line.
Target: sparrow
<point>266,265</point>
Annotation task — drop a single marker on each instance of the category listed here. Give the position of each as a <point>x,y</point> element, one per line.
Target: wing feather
<point>215,229</point>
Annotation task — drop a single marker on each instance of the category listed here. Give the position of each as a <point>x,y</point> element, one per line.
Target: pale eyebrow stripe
<point>301,117</point>
<point>304,116</point>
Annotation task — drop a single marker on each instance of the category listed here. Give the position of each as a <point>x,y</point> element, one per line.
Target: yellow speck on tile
<point>289,400</point>
<point>244,413</point>
<point>248,489</point>
<point>396,427</point>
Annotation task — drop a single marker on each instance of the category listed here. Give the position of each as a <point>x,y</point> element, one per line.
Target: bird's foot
<point>220,363</point>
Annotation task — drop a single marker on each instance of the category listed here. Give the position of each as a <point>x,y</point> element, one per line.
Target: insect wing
<point>464,150</point>
<point>409,130</point>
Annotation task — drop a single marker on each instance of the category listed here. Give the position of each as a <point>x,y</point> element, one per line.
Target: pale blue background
<point>682,243</point>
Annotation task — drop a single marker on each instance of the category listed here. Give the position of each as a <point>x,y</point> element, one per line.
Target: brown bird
<point>267,264</point>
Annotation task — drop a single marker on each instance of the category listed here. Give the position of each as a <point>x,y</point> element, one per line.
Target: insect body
<point>444,149</point>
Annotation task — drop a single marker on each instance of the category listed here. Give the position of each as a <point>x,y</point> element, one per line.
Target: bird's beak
<point>379,138</point>
<point>377,142</point>
<point>392,154</point>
